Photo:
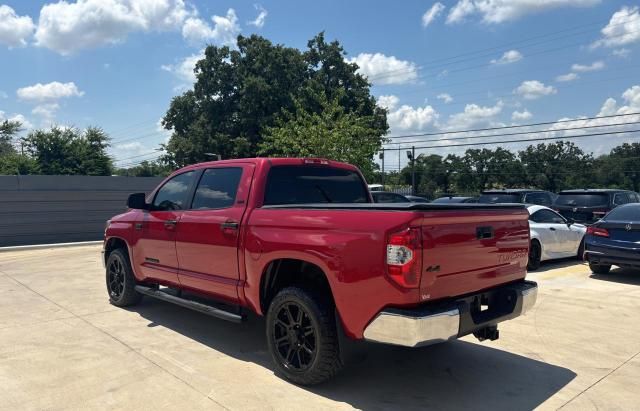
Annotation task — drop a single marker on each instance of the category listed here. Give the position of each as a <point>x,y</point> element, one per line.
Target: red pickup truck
<point>301,242</point>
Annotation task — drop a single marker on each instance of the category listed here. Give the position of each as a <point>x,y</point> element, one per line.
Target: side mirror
<point>137,201</point>
<point>570,221</point>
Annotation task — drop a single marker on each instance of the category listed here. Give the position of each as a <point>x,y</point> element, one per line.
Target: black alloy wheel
<point>295,337</point>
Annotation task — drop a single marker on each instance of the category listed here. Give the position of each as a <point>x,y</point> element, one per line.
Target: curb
<point>44,246</point>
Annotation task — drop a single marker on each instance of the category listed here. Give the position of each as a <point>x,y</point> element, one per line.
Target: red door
<point>208,233</point>
<point>154,252</point>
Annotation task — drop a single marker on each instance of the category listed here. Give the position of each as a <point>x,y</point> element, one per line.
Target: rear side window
<point>626,213</point>
<point>173,194</point>
<point>583,200</point>
<point>312,184</point>
<point>217,188</point>
<point>622,198</point>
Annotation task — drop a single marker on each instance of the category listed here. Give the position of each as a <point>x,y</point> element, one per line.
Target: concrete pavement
<point>63,346</point>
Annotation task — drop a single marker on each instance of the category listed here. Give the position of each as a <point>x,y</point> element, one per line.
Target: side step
<point>193,305</point>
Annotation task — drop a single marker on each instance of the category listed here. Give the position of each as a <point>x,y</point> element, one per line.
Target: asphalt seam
<point>599,380</point>
<point>117,340</point>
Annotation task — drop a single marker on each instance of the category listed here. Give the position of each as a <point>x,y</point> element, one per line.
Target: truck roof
<point>593,190</point>
<point>273,161</point>
<point>512,190</point>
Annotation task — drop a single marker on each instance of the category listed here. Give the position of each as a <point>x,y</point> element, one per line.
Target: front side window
<point>173,194</point>
<point>547,217</point>
<point>217,188</point>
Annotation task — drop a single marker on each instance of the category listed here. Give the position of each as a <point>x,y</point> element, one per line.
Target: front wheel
<point>121,282</point>
<point>600,268</point>
<point>535,254</point>
<point>302,337</point>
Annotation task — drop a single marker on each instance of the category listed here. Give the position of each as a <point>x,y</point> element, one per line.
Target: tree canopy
<point>242,95</point>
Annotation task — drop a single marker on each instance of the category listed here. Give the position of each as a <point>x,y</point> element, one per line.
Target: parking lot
<point>63,346</point>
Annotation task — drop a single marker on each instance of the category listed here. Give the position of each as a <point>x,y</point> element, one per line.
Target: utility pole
<point>399,167</point>
<point>411,155</point>
<point>381,156</point>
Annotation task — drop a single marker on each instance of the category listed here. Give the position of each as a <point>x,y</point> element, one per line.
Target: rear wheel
<point>121,282</point>
<point>600,268</point>
<point>535,254</point>
<point>302,336</point>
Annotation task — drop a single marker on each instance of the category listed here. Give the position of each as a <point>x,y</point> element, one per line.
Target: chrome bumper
<point>415,328</point>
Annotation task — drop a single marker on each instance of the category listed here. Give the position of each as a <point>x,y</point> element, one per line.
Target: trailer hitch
<point>487,333</point>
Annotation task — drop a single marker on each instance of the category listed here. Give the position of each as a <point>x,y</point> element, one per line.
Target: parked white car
<point>553,236</point>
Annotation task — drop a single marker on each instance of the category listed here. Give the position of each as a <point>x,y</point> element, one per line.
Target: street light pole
<point>411,155</point>
<point>382,158</point>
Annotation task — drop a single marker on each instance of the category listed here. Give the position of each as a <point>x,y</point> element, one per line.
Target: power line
<point>530,140</point>
<point>545,123</point>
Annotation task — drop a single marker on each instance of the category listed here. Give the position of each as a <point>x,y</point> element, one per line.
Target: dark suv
<point>590,205</point>
<point>517,195</point>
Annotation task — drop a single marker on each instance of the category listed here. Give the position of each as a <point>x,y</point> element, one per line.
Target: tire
<point>600,268</point>
<point>120,280</point>
<point>535,254</point>
<point>580,255</point>
<point>303,343</point>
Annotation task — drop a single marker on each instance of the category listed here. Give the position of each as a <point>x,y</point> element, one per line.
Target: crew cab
<point>300,242</point>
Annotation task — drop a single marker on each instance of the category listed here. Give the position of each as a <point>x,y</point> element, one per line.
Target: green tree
<point>621,168</point>
<point>330,133</point>
<point>557,166</point>
<point>8,130</point>
<point>145,169</point>
<point>66,151</point>
<point>239,94</point>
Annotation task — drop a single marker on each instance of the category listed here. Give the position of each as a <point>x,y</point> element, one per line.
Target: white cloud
<point>510,56</point>
<point>225,29</point>
<point>47,92</point>
<point>46,112</point>
<point>67,27</point>
<point>261,18</point>
<point>533,89</point>
<point>445,97</point>
<point>581,68</point>
<point>472,115</point>
<point>567,77</point>
<point>26,124</point>
<point>623,28</point>
<point>388,102</point>
<point>3,94</point>
<point>14,30</point>
<point>381,69</point>
<point>500,11</point>
<point>405,117</point>
<point>521,115</point>
<point>184,69</point>
<point>622,53</point>
<point>430,15</point>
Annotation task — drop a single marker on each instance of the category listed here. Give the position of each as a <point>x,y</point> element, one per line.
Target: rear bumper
<point>431,324</point>
<point>612,255</point>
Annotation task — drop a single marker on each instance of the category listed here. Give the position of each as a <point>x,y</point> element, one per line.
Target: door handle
<point>229,225</point>
<point>552,229</point>
<point>170,224</point>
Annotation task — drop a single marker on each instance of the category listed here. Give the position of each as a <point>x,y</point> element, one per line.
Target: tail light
<point>317,161</point>
<point>597,231</point>
<point>404,257</point>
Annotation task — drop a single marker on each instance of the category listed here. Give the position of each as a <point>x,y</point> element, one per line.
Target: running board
<point>193,305</point>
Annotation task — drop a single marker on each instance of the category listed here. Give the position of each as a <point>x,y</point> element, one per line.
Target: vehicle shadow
<point>620,275</point>
<point>453,375</point>
<point>560,263</point>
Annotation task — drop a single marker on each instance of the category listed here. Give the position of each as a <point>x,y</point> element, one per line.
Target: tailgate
<point>465,251</point>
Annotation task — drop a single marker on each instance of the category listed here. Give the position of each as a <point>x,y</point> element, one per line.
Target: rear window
<point>491,198</point>
<point>583,200</point>
<point>312,184</point>
<point>627,213</point>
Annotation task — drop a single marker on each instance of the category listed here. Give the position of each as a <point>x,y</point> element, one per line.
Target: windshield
<point>583,199</point>
<point>312,184</point>
<point>491,198</point>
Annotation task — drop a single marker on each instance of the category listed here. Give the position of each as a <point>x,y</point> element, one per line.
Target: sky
<point>436,66</point>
